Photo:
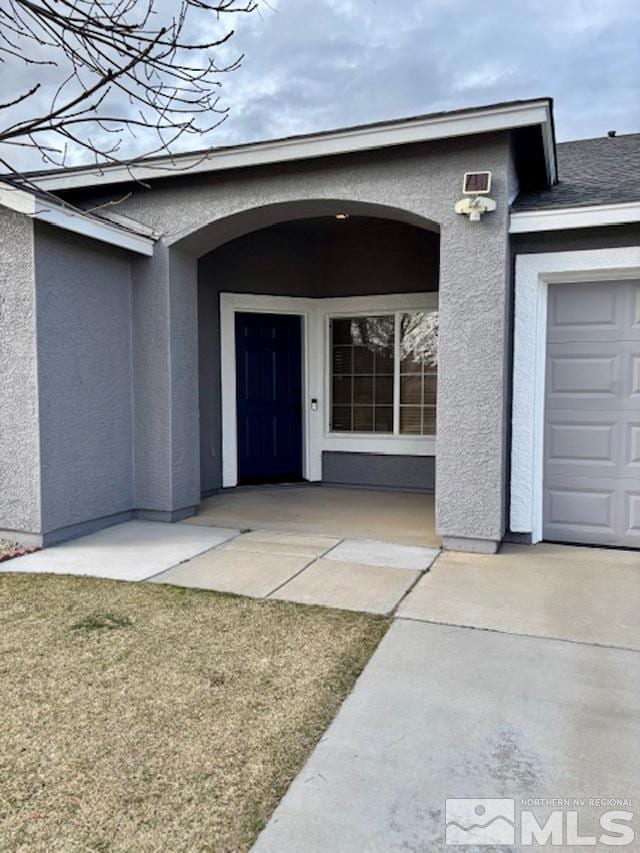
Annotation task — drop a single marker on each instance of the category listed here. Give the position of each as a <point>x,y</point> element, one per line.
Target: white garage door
<point>592,429</point>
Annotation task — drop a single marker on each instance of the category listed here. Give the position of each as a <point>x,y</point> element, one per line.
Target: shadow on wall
<point>315,257</point>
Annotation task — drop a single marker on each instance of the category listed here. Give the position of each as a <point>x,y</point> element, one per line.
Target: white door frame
<point>533,274</point>
<point>315,315</point>
<point>230,304</point>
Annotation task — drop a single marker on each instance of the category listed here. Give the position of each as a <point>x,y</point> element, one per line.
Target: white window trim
<point>316,380</point>
<point>533,274</point>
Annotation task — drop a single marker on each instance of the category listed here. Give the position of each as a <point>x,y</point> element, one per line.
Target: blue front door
<point>269,397</point>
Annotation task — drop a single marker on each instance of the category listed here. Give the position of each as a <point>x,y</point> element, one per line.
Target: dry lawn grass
<point>150,718</point>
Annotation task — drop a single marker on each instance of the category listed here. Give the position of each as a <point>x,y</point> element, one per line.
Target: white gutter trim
<point>76,221</point>
<point>319,145</point>
<point>560,219</point>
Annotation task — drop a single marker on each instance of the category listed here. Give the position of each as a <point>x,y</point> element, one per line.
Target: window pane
<point>419,341</point>
<point>363,418</point>
<point>342,361</point>
<point>362,360</point>
<point>341,418</point>
<point>411,363</point>
<point>418,372</point>
<point>341,332</point>
<point>362,383</point>
<point>384,389</point>
<point>342,390</point>
<point>429,420</point>
<point>411,389</point>
<point>384,361</point>
<point>363,389</point>
<point>362,352</point>
<point>410,420</point>
<point>430,383</point>
<point>384,419</point>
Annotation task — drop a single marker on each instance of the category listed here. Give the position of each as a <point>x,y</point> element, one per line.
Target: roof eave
<point>366,138</point>
<point>566,218</point>
<point>70,219</point>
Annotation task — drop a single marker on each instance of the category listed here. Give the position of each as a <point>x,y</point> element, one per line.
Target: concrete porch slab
<point>272,542</point>
<point>403,517</point>
<point>452,712</point>
<point>369,552</point>
<point>240,572</point>
<point>589,595</point>
<point>131,551</point>
<point>348,586</point>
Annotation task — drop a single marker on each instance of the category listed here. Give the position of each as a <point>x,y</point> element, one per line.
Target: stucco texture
<point>165,341</point>
<point>19,434</point>
<point>418,184</point>
<point>85,378</point>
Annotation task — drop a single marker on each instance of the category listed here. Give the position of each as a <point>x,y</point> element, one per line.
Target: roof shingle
<point>605,170</point>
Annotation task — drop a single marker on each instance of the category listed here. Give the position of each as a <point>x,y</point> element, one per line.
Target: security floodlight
<point>478,185</point>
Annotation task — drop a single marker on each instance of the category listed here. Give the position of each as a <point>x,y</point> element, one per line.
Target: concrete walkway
<point>132,551</point>
<point>347,574</point>
<point>443,712</point>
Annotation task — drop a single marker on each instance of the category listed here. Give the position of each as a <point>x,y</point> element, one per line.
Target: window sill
<point>392,445</point>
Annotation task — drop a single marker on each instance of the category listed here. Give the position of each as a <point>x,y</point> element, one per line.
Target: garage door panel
<point>593,376</point>
<point>592,443</point>
<point>596,311</point>
<point>578,442</point>
<point>576,307</point>
<point>586,507</point>
<point>591,488</point>
<point>575,510</point>
<point>632,501</point>
<point>633,446</point>
<point>633,378</point>
<point>580,374</point>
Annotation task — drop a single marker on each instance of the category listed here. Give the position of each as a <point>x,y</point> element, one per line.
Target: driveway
<point>445,712</point>
<point>513,677</point>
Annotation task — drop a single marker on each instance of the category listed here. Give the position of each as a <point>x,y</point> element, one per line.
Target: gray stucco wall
<point>197,213</point>
<point>165,375</point>
<point>85,378</point>
<point>185,430</point>
<point>19,434</point>
<point>364,257</point>
<point>377,469</point>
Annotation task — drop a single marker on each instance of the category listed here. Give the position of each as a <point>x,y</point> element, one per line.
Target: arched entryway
<point>317,357</point>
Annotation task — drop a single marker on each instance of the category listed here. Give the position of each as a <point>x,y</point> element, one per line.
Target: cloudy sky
<point>316,64</point>
<point>313,64</point>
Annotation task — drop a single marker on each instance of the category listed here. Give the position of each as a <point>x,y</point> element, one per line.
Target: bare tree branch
<point>122,66</point>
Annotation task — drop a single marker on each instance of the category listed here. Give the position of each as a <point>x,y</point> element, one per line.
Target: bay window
<point>384,373</point>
